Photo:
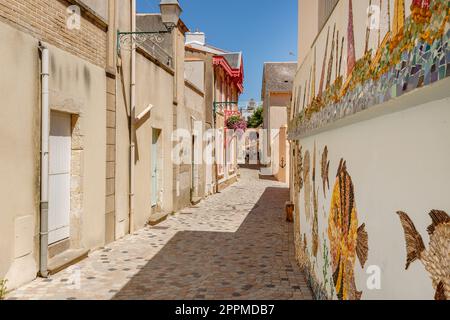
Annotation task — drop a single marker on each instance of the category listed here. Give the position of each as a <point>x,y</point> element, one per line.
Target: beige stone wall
<point>308,26</point>
<point>282,99</point>
<point>195,73</point>
<point>99,7</point>
<point>207,58</point>
<point>46,20</point>
<point>283,159</point>
<point>226,91</point>
<point>220,151</point>
<point>76,87</point>
<point>276,118</point>
<point>111,116</point>
<point>110,196</point>
<point>122,147</point>
<point>195,112</point>
<point>153,84</point>
<point>182,173</point>
<point>19,156</point>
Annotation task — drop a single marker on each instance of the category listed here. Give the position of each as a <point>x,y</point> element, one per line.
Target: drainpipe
<point>45,131</point>
<point>132,117</point>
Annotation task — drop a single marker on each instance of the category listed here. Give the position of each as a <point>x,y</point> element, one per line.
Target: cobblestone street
<point>233,245</point>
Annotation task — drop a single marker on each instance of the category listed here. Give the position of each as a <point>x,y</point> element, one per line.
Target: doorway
<point>194,169</point>
<point>60,150</point>
<point>155,167</point>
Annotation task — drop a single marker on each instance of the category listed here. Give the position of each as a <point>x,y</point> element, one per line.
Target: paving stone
<point>233,245</point>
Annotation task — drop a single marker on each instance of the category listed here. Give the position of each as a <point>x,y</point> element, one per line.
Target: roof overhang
<point>236,74</point>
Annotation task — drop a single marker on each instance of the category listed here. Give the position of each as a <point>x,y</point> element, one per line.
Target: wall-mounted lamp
<point>170,15</point>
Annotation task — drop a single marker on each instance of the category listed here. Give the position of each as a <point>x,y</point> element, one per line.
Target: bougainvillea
<point>237,123</point>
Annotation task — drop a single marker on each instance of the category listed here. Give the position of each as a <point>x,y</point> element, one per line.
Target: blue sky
<point>264,30</point>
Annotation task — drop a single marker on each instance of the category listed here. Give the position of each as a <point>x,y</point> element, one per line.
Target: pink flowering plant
<point>237,123</point>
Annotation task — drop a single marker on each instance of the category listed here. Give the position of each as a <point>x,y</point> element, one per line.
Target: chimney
<point>196,38</point>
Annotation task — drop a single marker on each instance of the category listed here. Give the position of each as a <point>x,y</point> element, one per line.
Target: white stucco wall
<point>397,162</point>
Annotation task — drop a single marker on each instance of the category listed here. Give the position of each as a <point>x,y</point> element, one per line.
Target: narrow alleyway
<point>234,245</point>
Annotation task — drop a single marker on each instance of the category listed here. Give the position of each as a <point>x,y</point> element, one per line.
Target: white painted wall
<point>397,162</point>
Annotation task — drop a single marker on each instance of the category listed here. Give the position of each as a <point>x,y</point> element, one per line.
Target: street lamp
<point>170,15</point>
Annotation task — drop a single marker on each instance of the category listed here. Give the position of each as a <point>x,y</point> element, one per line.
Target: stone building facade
<point>115,119</point>
<point>276,94</point>
<point>224,76</point>
<point>77,81</point>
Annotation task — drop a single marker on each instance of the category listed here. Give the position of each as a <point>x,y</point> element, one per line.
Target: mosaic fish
<point>298,185</point>
<point>299,168</point>
<point>347,241</point>
<point>325,164</point>
<point>436,258</point>
<point>307,184</point>
<point>302,252</point>
<point>315,221</point>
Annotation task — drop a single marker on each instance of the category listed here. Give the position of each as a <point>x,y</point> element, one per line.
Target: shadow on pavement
<point>256,262</point>
<point>250,166</point>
